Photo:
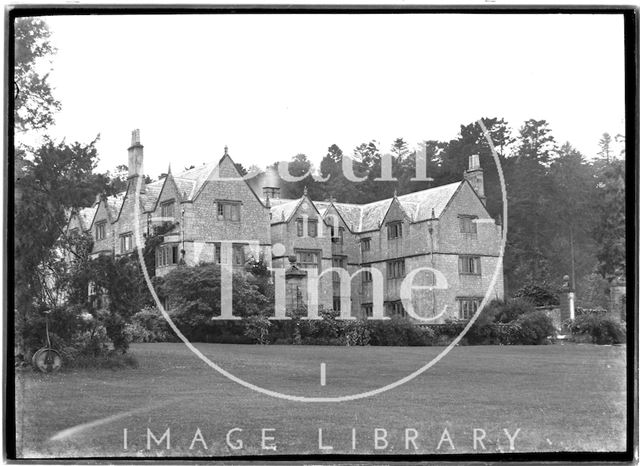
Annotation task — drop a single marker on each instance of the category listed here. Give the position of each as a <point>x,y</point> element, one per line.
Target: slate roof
<point>283,209</point>
<point>358,217</point>
<point>366,217</point>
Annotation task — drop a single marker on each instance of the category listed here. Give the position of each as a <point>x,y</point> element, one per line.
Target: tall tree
<point>57,179</point>
<point>571,250</point>
<point>609,229</point>
<point>530,200</point>
<point>400,149</point>
<point>34,102</point>
<point>605,146</point>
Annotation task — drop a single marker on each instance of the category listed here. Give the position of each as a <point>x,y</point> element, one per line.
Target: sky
<point>272,86</point>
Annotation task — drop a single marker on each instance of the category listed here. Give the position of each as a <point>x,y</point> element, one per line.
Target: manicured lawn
<point>561,397</point>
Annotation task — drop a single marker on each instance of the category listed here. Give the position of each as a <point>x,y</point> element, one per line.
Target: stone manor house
<point>220,218</point>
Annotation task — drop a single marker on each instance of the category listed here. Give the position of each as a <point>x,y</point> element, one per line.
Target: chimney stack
<point>475,176</point>
<point>135,160</point>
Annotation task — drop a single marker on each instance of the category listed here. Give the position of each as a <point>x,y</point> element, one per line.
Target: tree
<point>605,146</point>
<point>609,229</point>
<point>121,281</point>
<point>298,166</point>
<point>536,141</point>
<point>193,295</point>
<point>400,148</point>
<point>34,103</point>
<point>366,153</point>
<point>572,247</point>
<point>530,197</point>
<point>54,181</point>
<point>454,158</point>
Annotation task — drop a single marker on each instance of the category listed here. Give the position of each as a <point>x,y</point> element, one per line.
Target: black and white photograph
<point>320,233</point>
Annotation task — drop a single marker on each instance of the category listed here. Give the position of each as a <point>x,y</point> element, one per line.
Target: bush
<point>537,295</point>
<point>357,333</point>
<point>148,326</point>
<point>510,311</point>
<point>257,328</point>
<point>194,299</point>
<point>535,327</point>
<point>603,330</point>
<point>399,331</point>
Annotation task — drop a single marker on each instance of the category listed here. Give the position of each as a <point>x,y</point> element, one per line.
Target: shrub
<point>148,326</point>
<point>357,333</point>
<point>399,331</point>
<point>535,327</point>
<point>537,295</point>
<point>603,330</point>
<point>194,298</point>
<point>510,311</point>
<point>257,328</point>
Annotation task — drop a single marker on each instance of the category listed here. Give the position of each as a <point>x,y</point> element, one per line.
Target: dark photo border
<point>631,127</point>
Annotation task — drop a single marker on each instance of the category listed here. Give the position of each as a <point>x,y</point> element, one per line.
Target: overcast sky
<point>272,86</point>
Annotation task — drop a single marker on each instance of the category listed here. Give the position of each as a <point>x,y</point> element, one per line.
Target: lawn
<point>561,397</point>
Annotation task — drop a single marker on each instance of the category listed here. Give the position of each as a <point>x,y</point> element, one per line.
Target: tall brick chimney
<point>475,176</point>
<point>136,157</point>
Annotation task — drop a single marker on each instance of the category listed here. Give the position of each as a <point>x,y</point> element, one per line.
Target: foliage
<point>34,103</point>
<point>193,296</point>
<point>507,311</point>
<point>256,327</point>
<point>399,331</point>
<point>148,326</point>
<point>609,230</point>
<point>603,329</point>
<point>566,210</point>
<point>357,333</point>
<point>535,327</point>
<point>537,295</point>
<point>49,183</point>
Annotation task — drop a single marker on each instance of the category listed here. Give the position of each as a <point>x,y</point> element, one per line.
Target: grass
<point>561,397</point>
<point>108,361</point>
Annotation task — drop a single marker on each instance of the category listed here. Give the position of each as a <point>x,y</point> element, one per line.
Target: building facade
<point>441,243</point>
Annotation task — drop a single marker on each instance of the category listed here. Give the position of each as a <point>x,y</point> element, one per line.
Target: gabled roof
<point>149,198</point>
<point>114,204</point>
<point>417,206</point>
<point>282,211</point>
<point>191,181</point>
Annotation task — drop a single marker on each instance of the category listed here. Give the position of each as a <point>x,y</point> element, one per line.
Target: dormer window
<point>394,230</point>
<point>167,209</point>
